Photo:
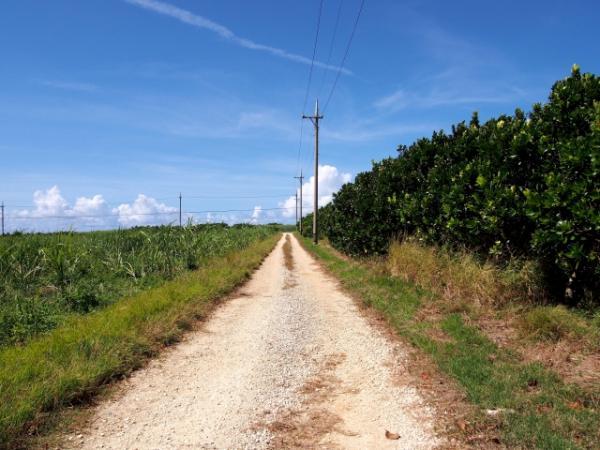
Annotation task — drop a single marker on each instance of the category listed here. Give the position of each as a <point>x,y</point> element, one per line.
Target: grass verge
<point>529,405</point>
<point>72,362</point>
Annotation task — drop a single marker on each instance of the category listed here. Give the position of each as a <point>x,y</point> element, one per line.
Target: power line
<point>312,63</point>
<point>233,197</point>
<point>239,210</point>
<point>90,216</point>
<point>341,66</point>
<point>331,44</point>
<point>98,216</point>
<point>207,197</point>
<point>310,72</point>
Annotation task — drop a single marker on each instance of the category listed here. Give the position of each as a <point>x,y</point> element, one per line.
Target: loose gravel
<point>290,362</point>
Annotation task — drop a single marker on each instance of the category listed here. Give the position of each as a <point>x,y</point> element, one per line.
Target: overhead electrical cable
<point>92,216</point>
<point>331,45</point>
<point>310,72</point>
<point>343,62</point>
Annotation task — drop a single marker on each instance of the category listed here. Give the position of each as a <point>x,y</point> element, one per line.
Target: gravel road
<point>290,362</point>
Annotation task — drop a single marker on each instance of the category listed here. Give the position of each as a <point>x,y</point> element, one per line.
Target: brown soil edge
<point>305,426</point>
<point>574,361</point>
<point>454,415</point>
<point>54,425</point>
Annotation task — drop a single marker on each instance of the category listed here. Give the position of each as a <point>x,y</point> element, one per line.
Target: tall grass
<point>86,351</point>
<point>463,283</point>
<point>46,278</point>
<point>461,278</point>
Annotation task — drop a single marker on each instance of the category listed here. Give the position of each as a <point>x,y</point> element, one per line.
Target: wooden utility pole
<point>296,209</point>
<point>315,121</point>
<point>2,207</point>
<point>180,210</point>
<point>300,178</point>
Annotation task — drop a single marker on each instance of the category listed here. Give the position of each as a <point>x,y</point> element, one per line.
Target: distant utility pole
<point>300,178</point>
<point>180,210</point>
<point>296,208</point>
<point>2,207</point>
<point>315,121</point>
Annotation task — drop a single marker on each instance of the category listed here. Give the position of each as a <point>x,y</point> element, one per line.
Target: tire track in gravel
<point>288,363</point>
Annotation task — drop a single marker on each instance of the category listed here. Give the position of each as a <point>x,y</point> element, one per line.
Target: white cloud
<point>51,212</point>
<point>363,132</point>
<point>88,206</point>
<point>201,22</point>
<point>401,99</point>
<point>256,213</point>
<point>330,181</point>
<point>49,203</point>
<point>144,211</point>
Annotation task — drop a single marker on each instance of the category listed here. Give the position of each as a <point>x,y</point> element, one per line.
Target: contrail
<point>201,22</point>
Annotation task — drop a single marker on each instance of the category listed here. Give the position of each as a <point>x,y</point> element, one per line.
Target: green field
<point>153,284</point>
<point>45,278</point>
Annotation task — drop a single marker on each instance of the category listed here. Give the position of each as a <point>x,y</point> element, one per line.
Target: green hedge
<point>525,185</point>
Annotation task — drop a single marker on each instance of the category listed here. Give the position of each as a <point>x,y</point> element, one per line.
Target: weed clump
<point>553,323</point>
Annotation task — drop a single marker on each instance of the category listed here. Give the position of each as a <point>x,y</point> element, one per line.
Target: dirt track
<point>290,362</point>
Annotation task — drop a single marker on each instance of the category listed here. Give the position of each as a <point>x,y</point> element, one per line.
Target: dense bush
<point>520,185</point>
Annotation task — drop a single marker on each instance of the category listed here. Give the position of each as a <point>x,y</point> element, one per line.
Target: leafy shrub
<point>526,185</point>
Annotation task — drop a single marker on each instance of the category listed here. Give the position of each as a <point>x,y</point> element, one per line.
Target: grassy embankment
<point>74,360</point>
<point>47,278</point>
<point>441,303</point>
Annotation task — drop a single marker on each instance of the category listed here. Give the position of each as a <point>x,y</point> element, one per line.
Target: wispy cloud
<point>69,85</point>
<point>363,132</point>
<point>402,98</point>
<point>202,22</point>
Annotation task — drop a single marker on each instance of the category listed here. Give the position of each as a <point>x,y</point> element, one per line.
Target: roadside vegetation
<point>482,247</point>
<point>87,349</point>
<point>46,278</point>
<point>520,186</point>
<point>520,401</point>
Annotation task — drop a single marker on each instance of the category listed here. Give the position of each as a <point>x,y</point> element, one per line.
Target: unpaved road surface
<point>290,362</point>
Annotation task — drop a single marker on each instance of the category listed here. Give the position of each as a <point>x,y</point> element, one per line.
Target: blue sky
<point>117,98</point>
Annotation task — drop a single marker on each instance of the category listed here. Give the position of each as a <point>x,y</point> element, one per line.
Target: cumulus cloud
<point>256,213</point>
<point>330,181</point>
<point>51,203</point>
<point>89,206</point>
<point>144,211</point>
<point>51,211</point>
